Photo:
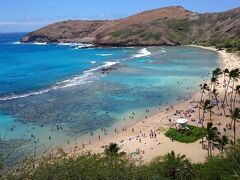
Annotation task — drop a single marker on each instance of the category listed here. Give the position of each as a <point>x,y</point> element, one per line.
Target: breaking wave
<point>142,53</point>
<point>104,54</point>
<point>86,77</point>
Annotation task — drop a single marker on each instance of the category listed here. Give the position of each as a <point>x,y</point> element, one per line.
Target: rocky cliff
<point>165,26</point>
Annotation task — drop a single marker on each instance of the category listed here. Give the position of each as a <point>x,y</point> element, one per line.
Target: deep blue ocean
<point>47,86</point>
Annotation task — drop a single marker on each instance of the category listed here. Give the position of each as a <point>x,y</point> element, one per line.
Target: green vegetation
<point>177,36</point>
<point>175,29</point>
<point>231,45</point>
<point>174,24</point>
<point>220,167</point>
<point>103,166</point>
<point>113,150</point>
<point>116,33</point>
<point>179,25</point>
<point>146,35</point>
<point>187,136</point>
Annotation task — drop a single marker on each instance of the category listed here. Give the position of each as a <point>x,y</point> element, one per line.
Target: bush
<point>230,44</point>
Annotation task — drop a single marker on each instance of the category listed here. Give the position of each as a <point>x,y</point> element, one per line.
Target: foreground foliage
<point>104,166</point>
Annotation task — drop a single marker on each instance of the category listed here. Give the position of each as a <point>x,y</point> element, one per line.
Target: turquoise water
<point>44,86</point>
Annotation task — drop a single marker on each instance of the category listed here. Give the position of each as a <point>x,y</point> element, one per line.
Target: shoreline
<point>135,140</point>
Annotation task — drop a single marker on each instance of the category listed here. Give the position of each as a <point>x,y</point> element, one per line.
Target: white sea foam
<point>76,45</point>
<point>17,42</point>
<point>35,43</point>
<point>93,62</point>
<point>104,54</point>
<point>84,46</point>
<point>68,44</point>
<point>81,46</point>
<point>142,53</point>
<point>87,77</point>
<point>40,43</point>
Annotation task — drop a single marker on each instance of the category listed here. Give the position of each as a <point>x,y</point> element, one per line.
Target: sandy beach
<point>136,141</point>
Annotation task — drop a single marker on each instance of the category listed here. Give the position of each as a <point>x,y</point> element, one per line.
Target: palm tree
<point>211,136</point>
<point>214,80</point>
<point>206,105</point>
<point>215,75</point>
<point>222,141</point>
<point>203,87</point>
<point>176,166</point>
<point>217,72</point>
<point>226,73</point>
<point>235,75</point>
<point>112,149</point>
<point>235,114</point>
<point>237,92</point>
<point>209,109</point>
<point>215,96</point>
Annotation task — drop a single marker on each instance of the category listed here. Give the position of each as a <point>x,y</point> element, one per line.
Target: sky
<point>29,15</point>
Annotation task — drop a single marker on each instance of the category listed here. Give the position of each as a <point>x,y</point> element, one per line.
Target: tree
<point>215,96</point>
<point>112,149</point>
<point>206,105</point>
<point>211,136</point>
<point>237,92</point>
<point>209,109</point>
<point>176,166</point>
<point>203,87</point>
<point>232,75</point>
<point>215,75</point>
<point>214,80</point>
<point>226,73</point>
<point>222,141</point>
<point>235,114</point>
<point>217,72</point>
<point>235,74</point>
